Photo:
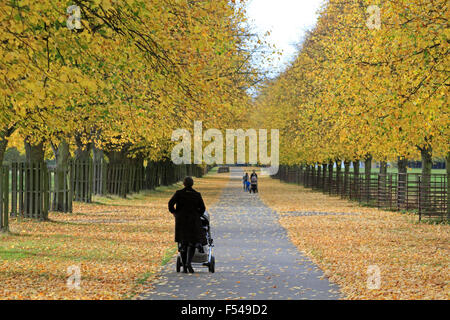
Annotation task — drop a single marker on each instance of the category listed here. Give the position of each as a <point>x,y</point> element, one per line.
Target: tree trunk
<point>62,155</point>
<point>83,152</point>
<point>356,186</point>
<point>165,173</point>
<point>383,167</point>
<point>427,161</point>
<point>356,166</point>
<point>139,178</point>
<point>425,186</point>
<point>97,154</point>
<point>307,179</point>
<point>116,156</point>
<point>34,153</point>
<point>382,182</point>
<point>119,162</point>
<point>99,171</point>
<point>330,176</point>
<point>5,133</point>
<point>319,176</point>
<point>402,165</point>
<point>82,171</point>
<point>313,176</point>
<point>3,145</point>
<point>298,174</point>
<point>447,166</point>
<point>346,177</point>
<point>338,176</point>
<point>35,181</point>
<point>367,172</point>
<point>4,207</point>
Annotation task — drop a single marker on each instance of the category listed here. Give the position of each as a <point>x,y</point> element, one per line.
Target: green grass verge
<point>168,255</point>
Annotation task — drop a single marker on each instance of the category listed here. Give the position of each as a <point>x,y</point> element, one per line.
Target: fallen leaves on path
<point>413,258</point>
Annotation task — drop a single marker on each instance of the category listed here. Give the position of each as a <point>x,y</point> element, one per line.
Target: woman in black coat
<point>187,206</point>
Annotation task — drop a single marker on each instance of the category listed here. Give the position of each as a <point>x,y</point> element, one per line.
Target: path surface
<point>254,257</point>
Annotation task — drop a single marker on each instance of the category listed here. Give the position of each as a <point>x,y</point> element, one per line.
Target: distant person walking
<point>247,186</point>
<point>245,179</point>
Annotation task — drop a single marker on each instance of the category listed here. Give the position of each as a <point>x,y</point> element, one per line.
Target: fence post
<point>4,195</point>
<point>44,191</point>
<point>14,169</point>
<point>21,193</point>
<point>324,182</point>
<point>70,186</point>
<point>330,176</point>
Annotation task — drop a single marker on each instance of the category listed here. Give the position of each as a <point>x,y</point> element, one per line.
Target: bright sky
<point>286,19</point>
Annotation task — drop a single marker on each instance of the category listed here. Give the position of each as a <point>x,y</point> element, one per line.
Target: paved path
<point>254,258</point>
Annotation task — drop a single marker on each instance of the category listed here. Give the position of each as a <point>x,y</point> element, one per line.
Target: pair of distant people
<point>250,184</point>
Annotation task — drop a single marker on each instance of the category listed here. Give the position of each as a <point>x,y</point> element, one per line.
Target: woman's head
<point>188,182</point>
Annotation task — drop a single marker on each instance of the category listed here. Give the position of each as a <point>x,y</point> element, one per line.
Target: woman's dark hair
<point>188,182</point>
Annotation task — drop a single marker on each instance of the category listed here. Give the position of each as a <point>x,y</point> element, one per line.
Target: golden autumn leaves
<point>133,72</point>
<point>412,259</point>
<point>118,246</point>
<point>354,91</point>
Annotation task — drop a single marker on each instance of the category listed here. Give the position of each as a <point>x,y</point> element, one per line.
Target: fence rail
<point>427,194</point>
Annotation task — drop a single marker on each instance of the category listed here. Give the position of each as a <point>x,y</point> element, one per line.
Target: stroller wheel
<point>178,263</point>
<point>212,265</point>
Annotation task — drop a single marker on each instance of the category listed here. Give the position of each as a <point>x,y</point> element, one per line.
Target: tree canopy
<point>355,90</point>
<point>127,75</point>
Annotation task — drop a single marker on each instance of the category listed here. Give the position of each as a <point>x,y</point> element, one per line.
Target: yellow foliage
<point>354,91</point>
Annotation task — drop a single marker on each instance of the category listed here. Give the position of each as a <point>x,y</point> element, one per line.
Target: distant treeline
<point>13,155</point>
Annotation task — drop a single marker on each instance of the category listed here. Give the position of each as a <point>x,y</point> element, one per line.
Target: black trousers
<point>187,247</point>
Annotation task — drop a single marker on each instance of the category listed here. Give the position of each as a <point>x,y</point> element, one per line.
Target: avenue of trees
<point>87,82</point>
<point>358,91</point>
<point>122,77</point>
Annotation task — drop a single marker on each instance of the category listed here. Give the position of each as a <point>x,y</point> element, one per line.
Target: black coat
<point>187,206</point>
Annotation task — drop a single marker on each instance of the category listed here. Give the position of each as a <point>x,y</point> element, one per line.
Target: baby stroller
<point>254,184</point>
<point>203,256</point>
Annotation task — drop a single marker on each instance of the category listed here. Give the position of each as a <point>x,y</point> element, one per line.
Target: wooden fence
<point>37,189</point>
<point>164,173</point>
<point>30,190</point>
<point>117,179</point>
<point>223,169</point>
<point>61,188</point>
<point>82,173</point>
<point>100,171</point>
<point>123,179</point>
<point>428,195</point>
